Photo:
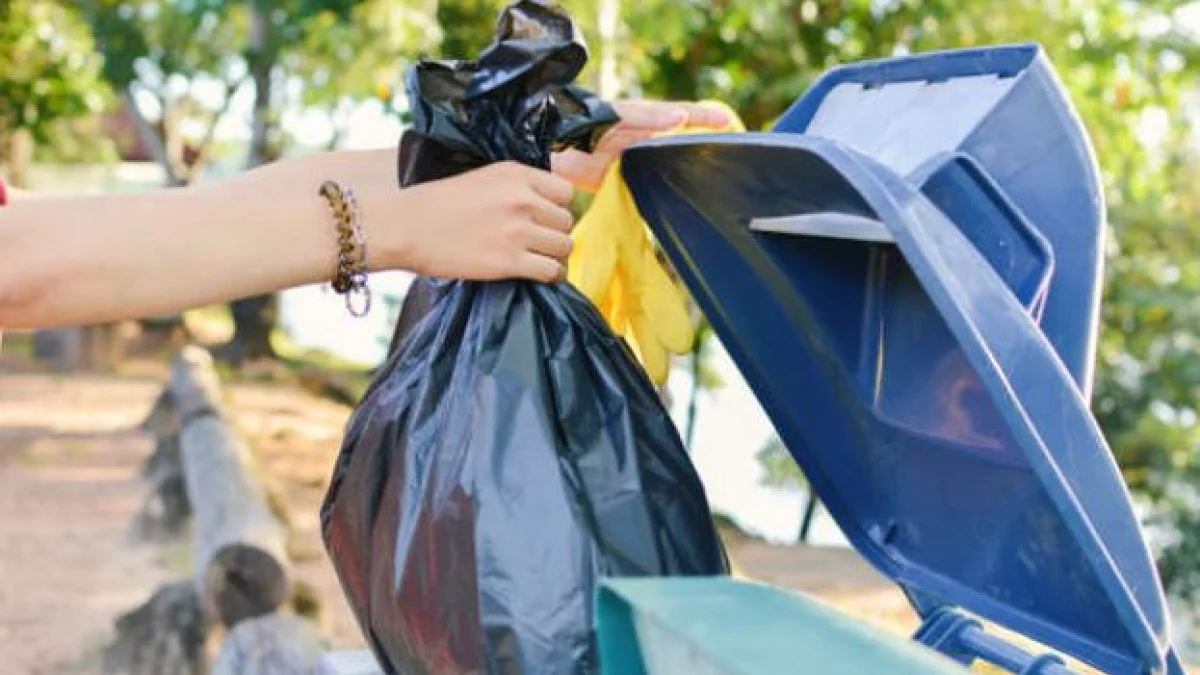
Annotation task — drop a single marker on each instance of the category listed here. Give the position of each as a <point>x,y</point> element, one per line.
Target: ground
<point>70,488</point>
<point>69,491</point>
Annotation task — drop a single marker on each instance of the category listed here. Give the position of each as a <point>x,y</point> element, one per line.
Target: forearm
<point>69,261</point>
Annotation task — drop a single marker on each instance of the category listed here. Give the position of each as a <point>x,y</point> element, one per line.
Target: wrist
<point>386,219</point>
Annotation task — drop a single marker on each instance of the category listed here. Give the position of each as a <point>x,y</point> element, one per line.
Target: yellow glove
<point>615,266</point>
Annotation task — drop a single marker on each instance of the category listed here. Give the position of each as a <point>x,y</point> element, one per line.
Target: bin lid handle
<point>829,224</point>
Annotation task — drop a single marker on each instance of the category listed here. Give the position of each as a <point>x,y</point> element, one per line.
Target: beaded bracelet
<point>350,274</point>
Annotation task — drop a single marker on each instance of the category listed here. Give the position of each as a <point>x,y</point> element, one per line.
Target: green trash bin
<point>728,627</point>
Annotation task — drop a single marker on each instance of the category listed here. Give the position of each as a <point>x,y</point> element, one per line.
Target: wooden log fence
<point>203,474</point>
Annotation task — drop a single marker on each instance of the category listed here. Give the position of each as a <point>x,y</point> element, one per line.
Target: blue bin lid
<point>890,312</point>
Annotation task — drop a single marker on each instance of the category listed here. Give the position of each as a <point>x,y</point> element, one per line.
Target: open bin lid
<point>897,349</point>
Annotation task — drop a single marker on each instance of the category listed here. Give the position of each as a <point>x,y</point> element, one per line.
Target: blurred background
<point>112,95</point>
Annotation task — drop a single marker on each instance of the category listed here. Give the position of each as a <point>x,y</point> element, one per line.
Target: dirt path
<point>68,492</point>
<point>69,489</point>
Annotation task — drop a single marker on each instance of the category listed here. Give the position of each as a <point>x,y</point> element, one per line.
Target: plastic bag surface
<point>511,452</point>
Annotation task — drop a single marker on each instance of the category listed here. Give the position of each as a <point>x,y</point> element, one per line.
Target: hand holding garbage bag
<point>511,452</point>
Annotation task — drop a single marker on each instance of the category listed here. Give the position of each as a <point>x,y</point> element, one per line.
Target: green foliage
<point>779,469</point>
<point>152,41</point>
<point>361,58</point>
<point>467,26</point>
<point>81,140</point>
<point>156,53</point>
<point>344,63</point>
<point>48,69</point>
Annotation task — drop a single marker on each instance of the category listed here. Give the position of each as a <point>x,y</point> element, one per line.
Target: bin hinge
<point>964,639</point>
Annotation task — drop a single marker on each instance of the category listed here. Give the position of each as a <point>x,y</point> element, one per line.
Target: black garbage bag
<point>511,451</point>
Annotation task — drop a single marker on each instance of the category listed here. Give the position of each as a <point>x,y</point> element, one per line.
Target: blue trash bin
<point>907,272</point>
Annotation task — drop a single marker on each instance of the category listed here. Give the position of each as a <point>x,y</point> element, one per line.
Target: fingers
<point>548,198</point>
<point>558,190</point>
<point>707,117</point>
<point>552,216</point>
<point>581,169</point>
<point>652,115</point>
<point>662,115</point>
<point>550,243</point>
<point>620,139</point>
<point>539,268</point>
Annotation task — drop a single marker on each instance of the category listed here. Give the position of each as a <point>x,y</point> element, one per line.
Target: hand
<point>640,120</point>
<point>501,221</point>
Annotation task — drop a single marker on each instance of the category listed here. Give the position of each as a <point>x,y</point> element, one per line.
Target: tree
<point>467,26</point>
<point>175,67</point>
<point>49,74</point>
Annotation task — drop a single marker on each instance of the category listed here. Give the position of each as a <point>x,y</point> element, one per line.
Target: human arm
<point>66,261</point>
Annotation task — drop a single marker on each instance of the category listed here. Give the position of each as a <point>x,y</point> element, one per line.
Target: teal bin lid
<point>702,626</point>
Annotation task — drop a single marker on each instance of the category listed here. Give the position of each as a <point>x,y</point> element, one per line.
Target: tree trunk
<point>253,321</point>
<point>271,645</point>
<point>609,22</point>
<point>697,363</point>
<point>262,65</point>
<point>154,142</point>
<point>254,318</point>
<point>810,512</point>
<point>241,569</point>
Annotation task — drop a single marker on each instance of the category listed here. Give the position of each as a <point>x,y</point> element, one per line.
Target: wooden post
<point>241,569</point>
<point>165,635</point>
<point>167,509</point>
<point>241,576</point>
<point>270,645</point>
<point>194,385</point>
